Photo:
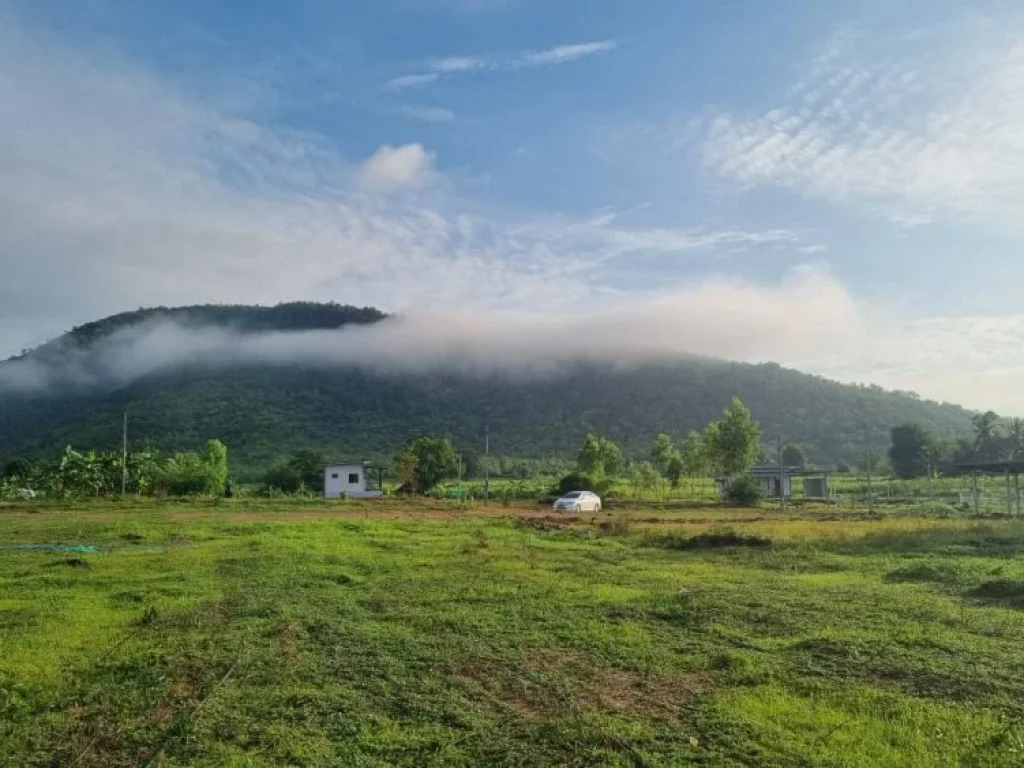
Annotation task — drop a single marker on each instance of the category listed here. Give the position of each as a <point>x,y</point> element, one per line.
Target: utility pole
<point>487,463</point>
<point>782,477</point>
<point>124,455</point>
<point>868,459</point>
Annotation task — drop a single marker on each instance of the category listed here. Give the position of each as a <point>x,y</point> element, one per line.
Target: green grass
<point>259,633</point>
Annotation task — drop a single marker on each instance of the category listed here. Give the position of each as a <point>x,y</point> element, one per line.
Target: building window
<point>334,476</point>
<point>353,478</point>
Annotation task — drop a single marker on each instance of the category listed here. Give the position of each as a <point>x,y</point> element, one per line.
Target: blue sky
<point>856,167</point>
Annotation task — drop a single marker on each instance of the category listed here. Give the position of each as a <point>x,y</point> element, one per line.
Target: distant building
<point>348,479</point>
<point>777,482</point>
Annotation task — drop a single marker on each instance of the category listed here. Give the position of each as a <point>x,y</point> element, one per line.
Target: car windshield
<point>573,495</point>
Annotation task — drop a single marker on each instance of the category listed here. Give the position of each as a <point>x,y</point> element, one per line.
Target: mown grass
<point>273,635</point>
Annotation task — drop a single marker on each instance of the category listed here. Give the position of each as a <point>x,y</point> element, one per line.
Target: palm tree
<point>1015,438</point>
<point>986,435</point>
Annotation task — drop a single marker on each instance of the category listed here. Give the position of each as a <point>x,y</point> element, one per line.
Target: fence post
<point>1009,498</point>
<point>977,500</point>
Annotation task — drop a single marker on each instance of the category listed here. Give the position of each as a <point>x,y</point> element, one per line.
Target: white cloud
<point>427,114</point>
<point>562,54</point>
<point>726,318</point>
<point>461,65</point>
<point>917,135</point>
<point>409,165</point>
<point>413,81</point>
<point>456,64</point>
<point>117,190</point>
<point>977,360</point>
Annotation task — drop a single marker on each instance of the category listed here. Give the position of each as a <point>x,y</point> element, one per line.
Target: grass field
<point>259,633</point>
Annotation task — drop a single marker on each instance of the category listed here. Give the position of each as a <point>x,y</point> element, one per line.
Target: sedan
<point>578,501</point>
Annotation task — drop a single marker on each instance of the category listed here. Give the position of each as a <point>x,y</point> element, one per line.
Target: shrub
<point>577,481</point>
<point>619,526</point>
<point>744,491</point>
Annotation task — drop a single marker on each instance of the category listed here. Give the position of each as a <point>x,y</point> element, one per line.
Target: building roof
<point>772,470</point>
<point>353,463</point>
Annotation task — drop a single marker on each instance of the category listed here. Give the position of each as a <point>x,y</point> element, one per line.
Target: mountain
<point>266,410</point>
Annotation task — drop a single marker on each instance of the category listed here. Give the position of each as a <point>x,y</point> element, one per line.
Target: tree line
<point>916,452</point>
<point>84,474</point>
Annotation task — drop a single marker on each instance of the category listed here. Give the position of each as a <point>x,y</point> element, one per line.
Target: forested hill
<point>263,411</point>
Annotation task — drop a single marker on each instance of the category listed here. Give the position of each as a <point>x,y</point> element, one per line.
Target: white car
<point>578,501</point>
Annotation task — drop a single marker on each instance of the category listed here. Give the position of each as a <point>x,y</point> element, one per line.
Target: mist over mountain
<point>354,381</point>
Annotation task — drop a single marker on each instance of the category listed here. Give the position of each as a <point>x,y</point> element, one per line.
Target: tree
<point>986,436</point>
<point>599,457</point>
<point>644,478</point>
<point>744,491</point>
<point>215,459</point>
<point>1015,439</point>
<point>735,439</point>
<point>695,457</point>
<point>793,456</point>
<point>308,466</point>
<point>282,477</point>
<point>662,451</point>
<point>470,463</point>
<point>674,470</point>
<point>911,451</point>
<point>17,468</point>
<point>667,460</point>
<point>426,461</point>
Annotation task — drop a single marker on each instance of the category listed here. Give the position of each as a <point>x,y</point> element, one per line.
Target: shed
<point>776,481</point>
<point>348,479</point>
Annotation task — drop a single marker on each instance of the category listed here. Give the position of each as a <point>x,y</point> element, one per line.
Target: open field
<point>397,633</point>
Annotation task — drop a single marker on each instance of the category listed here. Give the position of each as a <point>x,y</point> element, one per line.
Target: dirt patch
<point>546,522</point>
<point>575,679</point>
<point>628,692</point>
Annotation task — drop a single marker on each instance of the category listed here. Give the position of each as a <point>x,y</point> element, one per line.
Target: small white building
<point>348,479</point>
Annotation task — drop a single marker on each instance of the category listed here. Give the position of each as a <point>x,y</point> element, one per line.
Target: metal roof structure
<point>1014,467</point>
<point>774,470</point>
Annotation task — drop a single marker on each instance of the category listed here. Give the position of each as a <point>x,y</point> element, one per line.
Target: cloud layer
<point>900,135</point>
<point>721,318</point>
<point>119,190</point>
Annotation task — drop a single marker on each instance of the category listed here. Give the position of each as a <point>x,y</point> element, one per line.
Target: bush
<point>744,492</point>
<point>577,481</point>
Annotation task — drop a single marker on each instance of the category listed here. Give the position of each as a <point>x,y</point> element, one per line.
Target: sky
<point>833,186</point>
